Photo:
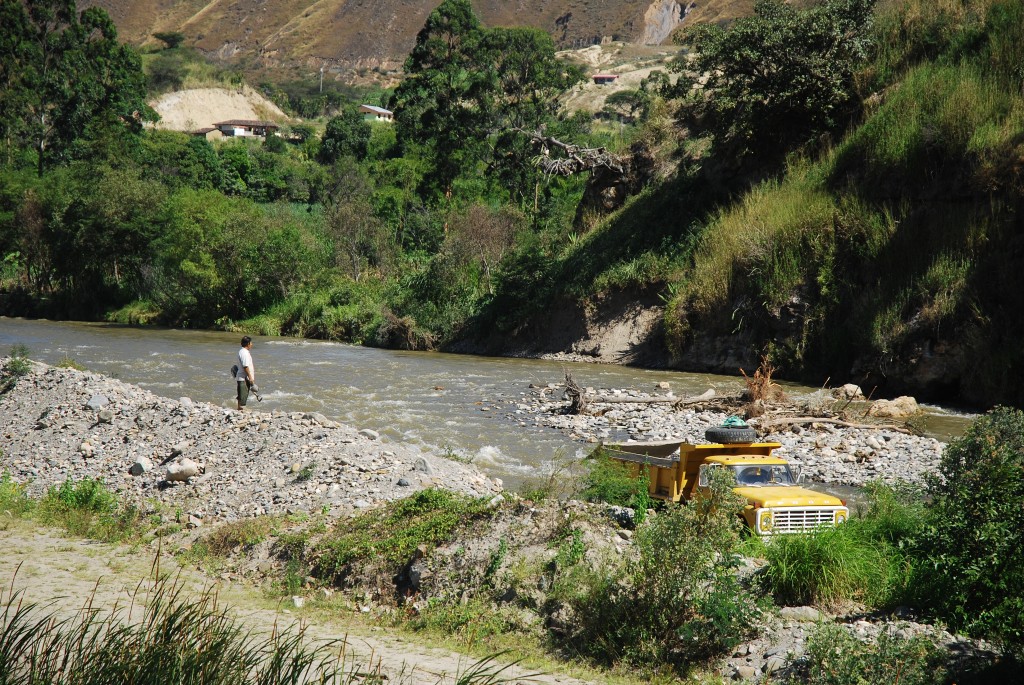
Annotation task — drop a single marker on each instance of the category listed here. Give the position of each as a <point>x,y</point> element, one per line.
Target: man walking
<point>246,376</point>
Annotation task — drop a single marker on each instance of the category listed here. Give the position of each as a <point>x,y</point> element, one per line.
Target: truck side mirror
<point>702,476</point>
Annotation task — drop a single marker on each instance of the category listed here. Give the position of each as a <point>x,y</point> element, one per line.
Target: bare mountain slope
<point>360,35</point>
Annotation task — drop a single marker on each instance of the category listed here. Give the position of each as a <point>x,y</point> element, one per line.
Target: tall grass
<point>863,560</point>
<point>164,636</point>
<point>827,567</point>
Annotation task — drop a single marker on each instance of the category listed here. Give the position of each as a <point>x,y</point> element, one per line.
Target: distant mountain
<point>372,37</point>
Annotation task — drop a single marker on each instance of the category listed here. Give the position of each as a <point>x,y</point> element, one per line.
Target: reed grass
<point>165,636</point>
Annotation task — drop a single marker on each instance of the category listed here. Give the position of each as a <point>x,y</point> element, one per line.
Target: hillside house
<point>371,113</point>
<point>603,79</point>
<point>247,127</point>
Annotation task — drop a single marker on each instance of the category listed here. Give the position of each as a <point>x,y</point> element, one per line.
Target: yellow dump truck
<point>775,502</point>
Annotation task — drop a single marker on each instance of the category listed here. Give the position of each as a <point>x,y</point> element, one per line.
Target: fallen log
<point>782,421</point>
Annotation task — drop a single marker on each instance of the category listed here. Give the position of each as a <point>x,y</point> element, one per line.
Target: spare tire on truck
<point>727,434</point>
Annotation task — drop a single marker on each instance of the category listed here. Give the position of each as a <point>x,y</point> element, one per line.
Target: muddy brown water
<point>456,403</point>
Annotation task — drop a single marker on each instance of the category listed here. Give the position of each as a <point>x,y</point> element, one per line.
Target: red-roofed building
<point>602,79</point>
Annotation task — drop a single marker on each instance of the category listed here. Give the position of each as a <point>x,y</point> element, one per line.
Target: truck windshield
<point>767,475</point>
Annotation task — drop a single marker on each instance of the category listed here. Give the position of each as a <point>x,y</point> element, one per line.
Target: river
<point>438,401</point>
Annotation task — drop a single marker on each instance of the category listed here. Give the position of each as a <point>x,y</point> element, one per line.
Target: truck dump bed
<point>673,466</point>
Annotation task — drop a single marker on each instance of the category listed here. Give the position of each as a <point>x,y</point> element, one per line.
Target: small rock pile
<point>208,462</point>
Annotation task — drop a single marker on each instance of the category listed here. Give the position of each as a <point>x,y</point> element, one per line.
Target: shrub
<point>86,508</point>
<point>246,533</point>
<point>679,601</point>
<point>835,657</point>
<point>17,366</point>
<point>970,569</point>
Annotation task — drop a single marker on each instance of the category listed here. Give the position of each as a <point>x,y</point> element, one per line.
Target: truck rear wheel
<point>728,435</point>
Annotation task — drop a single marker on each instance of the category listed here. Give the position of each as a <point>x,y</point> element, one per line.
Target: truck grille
<point>797,520</point>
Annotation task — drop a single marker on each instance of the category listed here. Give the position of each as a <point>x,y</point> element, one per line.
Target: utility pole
<point>321,79</point>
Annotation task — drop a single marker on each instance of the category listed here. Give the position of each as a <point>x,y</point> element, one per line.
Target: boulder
<point>182,470</point>
<point>848,392</point>
<point>899,408</point>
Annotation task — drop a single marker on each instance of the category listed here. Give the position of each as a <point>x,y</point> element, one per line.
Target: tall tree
<point>470,91</point>
<point>64,78</point>
<point>435,104</point>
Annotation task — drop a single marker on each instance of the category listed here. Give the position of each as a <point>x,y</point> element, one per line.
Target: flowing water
<point>439,401</point>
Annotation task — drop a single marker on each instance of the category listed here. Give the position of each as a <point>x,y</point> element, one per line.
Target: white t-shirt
<point>244,360</point>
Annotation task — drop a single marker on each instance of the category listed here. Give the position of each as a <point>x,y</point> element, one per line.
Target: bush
<point>679,601</point>
<point>970,570</point>
<point>86,508</point>
<point>835,657</point>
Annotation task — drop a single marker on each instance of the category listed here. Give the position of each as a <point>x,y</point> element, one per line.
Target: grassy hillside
<point>892,257</point>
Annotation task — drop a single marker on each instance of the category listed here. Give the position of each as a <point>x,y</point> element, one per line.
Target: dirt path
<point>47,568</point>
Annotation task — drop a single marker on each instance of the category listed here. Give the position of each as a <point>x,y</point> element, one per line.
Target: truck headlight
<point>841,516</point>
<point>764,520</point>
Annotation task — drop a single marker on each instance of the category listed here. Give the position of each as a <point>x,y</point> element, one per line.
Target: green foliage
<point>463,83</point>
<point>388,539</point>
<point>245,534</point>
<point>678,601</point>
<point>347,135</point>
<point>89,495</point>
<point>776,79</point>
<point>172,39</point>
<point>615,482</point>
<point>67,80</point>
<point>971,554</point>
<point>17,365</point>
<point>829,567</point>
<point>86,508</point>
<point>474,621</point>
<point>67,362</point>
<point>13,499</point>
<point>835,657</point>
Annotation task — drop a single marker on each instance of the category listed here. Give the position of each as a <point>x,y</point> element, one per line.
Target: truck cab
<point>775,502</point>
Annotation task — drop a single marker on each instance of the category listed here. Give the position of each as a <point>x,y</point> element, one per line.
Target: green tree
<point>773,80</point>
<point>970,569</point>
<point>471,92</point>
<point>65,77</point>
<point>346,135</point>
<point>435,104</point>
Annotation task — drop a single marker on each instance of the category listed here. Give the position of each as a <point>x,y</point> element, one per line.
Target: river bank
<point>61,423</point>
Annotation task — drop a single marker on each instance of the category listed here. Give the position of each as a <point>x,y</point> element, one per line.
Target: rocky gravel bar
<point>205,461</point>
<point>826,453</point>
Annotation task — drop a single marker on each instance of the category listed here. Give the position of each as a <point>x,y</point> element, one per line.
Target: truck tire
<point>727,435</point>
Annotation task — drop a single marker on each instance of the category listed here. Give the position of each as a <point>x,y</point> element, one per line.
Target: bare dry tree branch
<point>576,159</point>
